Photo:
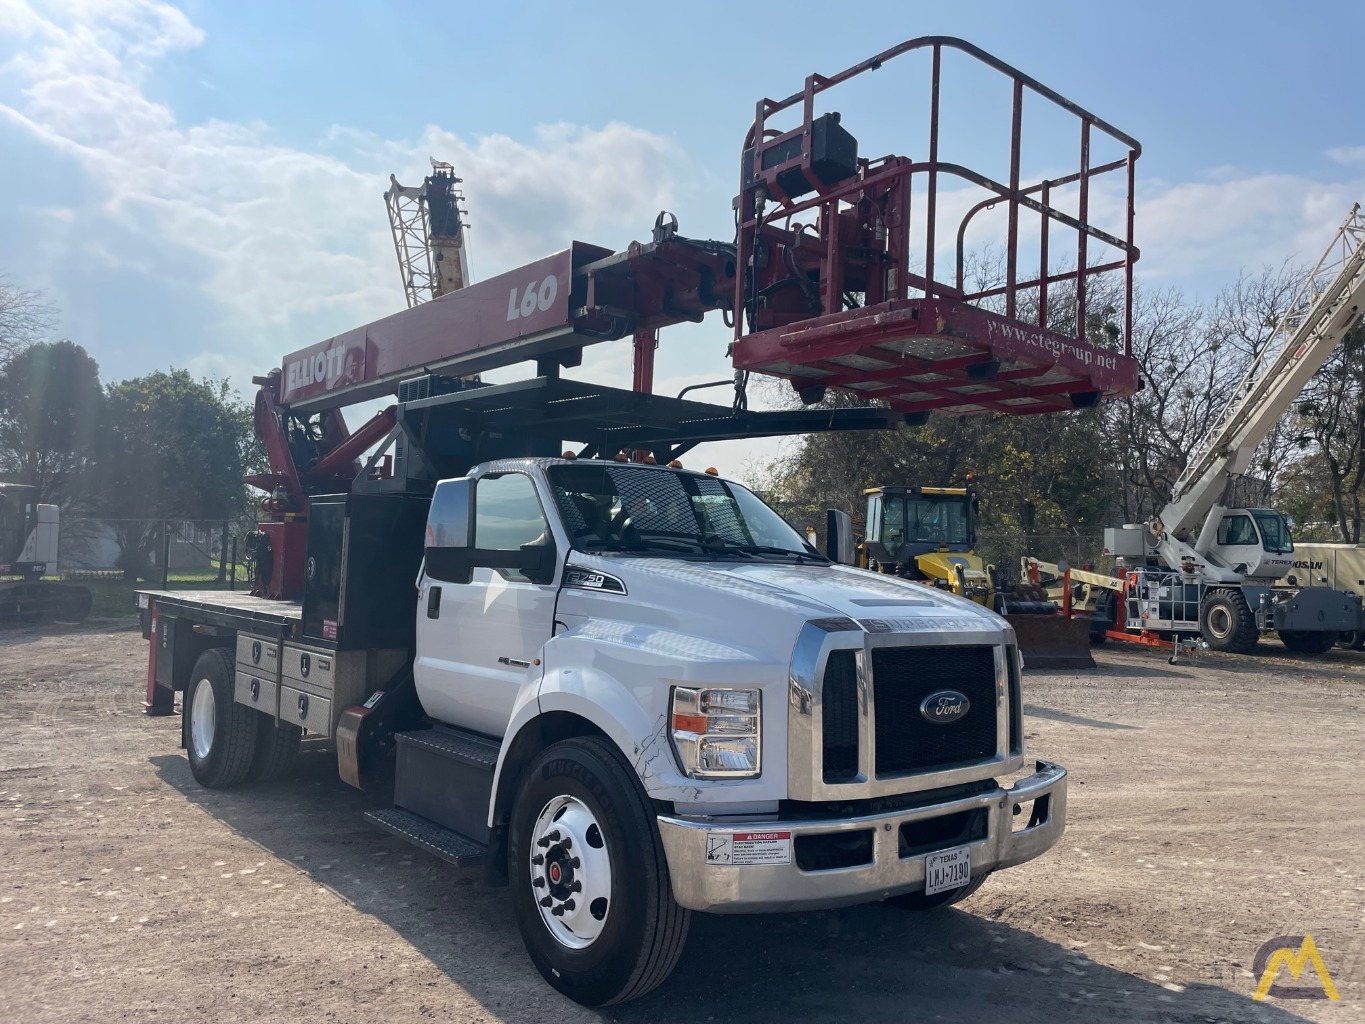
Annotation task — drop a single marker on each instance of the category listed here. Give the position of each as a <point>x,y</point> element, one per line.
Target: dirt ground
<point>1213,805</point>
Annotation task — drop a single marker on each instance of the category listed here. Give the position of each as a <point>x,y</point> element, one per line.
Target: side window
<point>507,516</point>
<point>1235,530</point>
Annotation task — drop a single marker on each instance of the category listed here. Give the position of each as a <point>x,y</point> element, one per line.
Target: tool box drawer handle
<point>303,705</point>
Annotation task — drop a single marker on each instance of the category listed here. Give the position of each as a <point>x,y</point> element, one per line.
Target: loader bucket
<point>1053,641</point>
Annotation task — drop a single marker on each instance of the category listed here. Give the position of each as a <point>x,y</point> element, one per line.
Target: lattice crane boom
<point>429,234</point>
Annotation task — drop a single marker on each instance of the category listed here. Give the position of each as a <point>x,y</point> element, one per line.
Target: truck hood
<point>756,609</point>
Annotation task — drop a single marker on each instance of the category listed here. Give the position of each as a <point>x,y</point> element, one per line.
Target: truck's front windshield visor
<point>624,507</point>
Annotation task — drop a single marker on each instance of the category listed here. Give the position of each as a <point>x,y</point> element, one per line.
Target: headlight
<point>716,732</point>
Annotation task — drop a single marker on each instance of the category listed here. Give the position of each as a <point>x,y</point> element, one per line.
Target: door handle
<point>434,603</point>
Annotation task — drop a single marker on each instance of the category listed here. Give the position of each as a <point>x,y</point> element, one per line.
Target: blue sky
<point>199,184</point>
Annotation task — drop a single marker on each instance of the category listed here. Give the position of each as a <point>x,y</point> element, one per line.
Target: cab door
<point>484,614</point>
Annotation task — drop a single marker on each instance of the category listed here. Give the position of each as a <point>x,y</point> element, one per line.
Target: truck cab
<point>804,734</point>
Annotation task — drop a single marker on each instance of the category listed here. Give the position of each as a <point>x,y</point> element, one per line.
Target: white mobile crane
<point>1219,563</point>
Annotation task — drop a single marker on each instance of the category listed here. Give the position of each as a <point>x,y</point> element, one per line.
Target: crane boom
<point>1327,305</point>
<point>428,234</point>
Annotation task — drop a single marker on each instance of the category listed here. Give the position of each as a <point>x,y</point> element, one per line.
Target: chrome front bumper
<point>761,888</point>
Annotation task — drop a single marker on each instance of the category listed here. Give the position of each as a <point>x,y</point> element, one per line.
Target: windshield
<point>619,507</point>
<point>1274,531</point>
<point>939,520</point>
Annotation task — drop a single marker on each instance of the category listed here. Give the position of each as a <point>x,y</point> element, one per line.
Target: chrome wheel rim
<point>570,872</point>
<point>203,709</point>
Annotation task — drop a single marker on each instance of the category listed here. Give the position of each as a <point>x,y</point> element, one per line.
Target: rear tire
<point>220,734</point>
<point>580,809</point>
<point>921,903</point>
<point>1353,640</point>
<point>1227,623</point>
<point>277,746</point>
<point>1305,642</point>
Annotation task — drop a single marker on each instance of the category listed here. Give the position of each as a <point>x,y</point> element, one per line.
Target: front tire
<point>1306,642</point>
<point>590,883</point>
<point>220,734</point>
<point>1227,623</point>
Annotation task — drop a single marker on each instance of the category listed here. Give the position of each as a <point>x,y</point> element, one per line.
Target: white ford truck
<point>634,692</point>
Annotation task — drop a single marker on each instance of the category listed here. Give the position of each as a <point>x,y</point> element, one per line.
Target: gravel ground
<point>1214,804</point>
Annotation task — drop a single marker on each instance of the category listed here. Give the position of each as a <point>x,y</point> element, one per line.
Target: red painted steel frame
<point>938,349</point>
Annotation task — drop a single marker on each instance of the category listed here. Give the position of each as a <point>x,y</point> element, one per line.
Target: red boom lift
<point>834,279</point>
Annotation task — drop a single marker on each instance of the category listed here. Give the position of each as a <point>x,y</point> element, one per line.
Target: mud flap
<point>1053,641</point>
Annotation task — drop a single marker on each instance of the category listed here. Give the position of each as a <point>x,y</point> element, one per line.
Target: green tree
<point>50,407</point>
<point>173,448</point>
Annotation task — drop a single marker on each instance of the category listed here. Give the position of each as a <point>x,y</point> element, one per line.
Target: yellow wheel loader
<point>928,534</point>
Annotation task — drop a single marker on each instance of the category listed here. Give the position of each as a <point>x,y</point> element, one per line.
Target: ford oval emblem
<point>944,707</point>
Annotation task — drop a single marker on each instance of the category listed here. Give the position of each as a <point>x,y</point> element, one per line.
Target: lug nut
<point>574,862</point>
<point>576,887</point>
<point>568,842</point>
<point>538,859</point>
<point>545,901</point>
<point>539,883</point>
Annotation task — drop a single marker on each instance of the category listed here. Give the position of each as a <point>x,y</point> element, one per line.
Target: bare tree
<point>25,316</point>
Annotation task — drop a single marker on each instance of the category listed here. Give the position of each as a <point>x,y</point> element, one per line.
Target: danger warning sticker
<point>747,848</point>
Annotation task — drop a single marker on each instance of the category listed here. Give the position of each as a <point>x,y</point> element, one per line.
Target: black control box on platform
<point>360,577</point>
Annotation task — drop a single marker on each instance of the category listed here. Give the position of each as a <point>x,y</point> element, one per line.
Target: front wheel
<point>1227,623</point>
<point>590,883</point>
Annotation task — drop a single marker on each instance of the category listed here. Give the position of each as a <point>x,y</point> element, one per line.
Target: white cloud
<point>1347,154</point>
<point>1204,232</point>
<point>296,240</point>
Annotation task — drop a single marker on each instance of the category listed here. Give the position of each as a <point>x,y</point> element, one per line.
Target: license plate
<point>948,869</point>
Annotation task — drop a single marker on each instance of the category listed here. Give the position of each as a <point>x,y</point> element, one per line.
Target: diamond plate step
<point>461,746</point>
<point>435,839</point>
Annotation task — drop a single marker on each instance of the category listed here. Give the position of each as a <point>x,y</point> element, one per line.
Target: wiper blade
<point>768,549</point>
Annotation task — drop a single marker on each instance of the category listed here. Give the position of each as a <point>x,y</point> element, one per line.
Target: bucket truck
<point>1217,564</point>
<point>627,690</point>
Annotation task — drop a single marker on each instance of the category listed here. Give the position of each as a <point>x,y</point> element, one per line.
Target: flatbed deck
<point>232,608</point>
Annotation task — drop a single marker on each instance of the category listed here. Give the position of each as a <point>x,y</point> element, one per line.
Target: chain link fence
<point>1002,548</point>
<point>158,552</point>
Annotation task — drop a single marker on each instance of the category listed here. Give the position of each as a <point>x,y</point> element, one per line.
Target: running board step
<point>436,839</point>
<point>445,776</point>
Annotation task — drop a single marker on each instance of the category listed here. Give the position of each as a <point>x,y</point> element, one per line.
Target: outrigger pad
<point>941,355</point>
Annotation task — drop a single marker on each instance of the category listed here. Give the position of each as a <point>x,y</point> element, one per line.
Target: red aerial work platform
<point>855,301</point>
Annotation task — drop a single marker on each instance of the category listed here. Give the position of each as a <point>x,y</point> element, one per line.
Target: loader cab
<point>1254,541</point>
<point>906,522</point>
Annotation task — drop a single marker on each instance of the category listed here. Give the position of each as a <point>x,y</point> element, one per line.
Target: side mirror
<point>538,561</point>
<point>839,536</point>
<point>450,528</point>
<point>450,522</point>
